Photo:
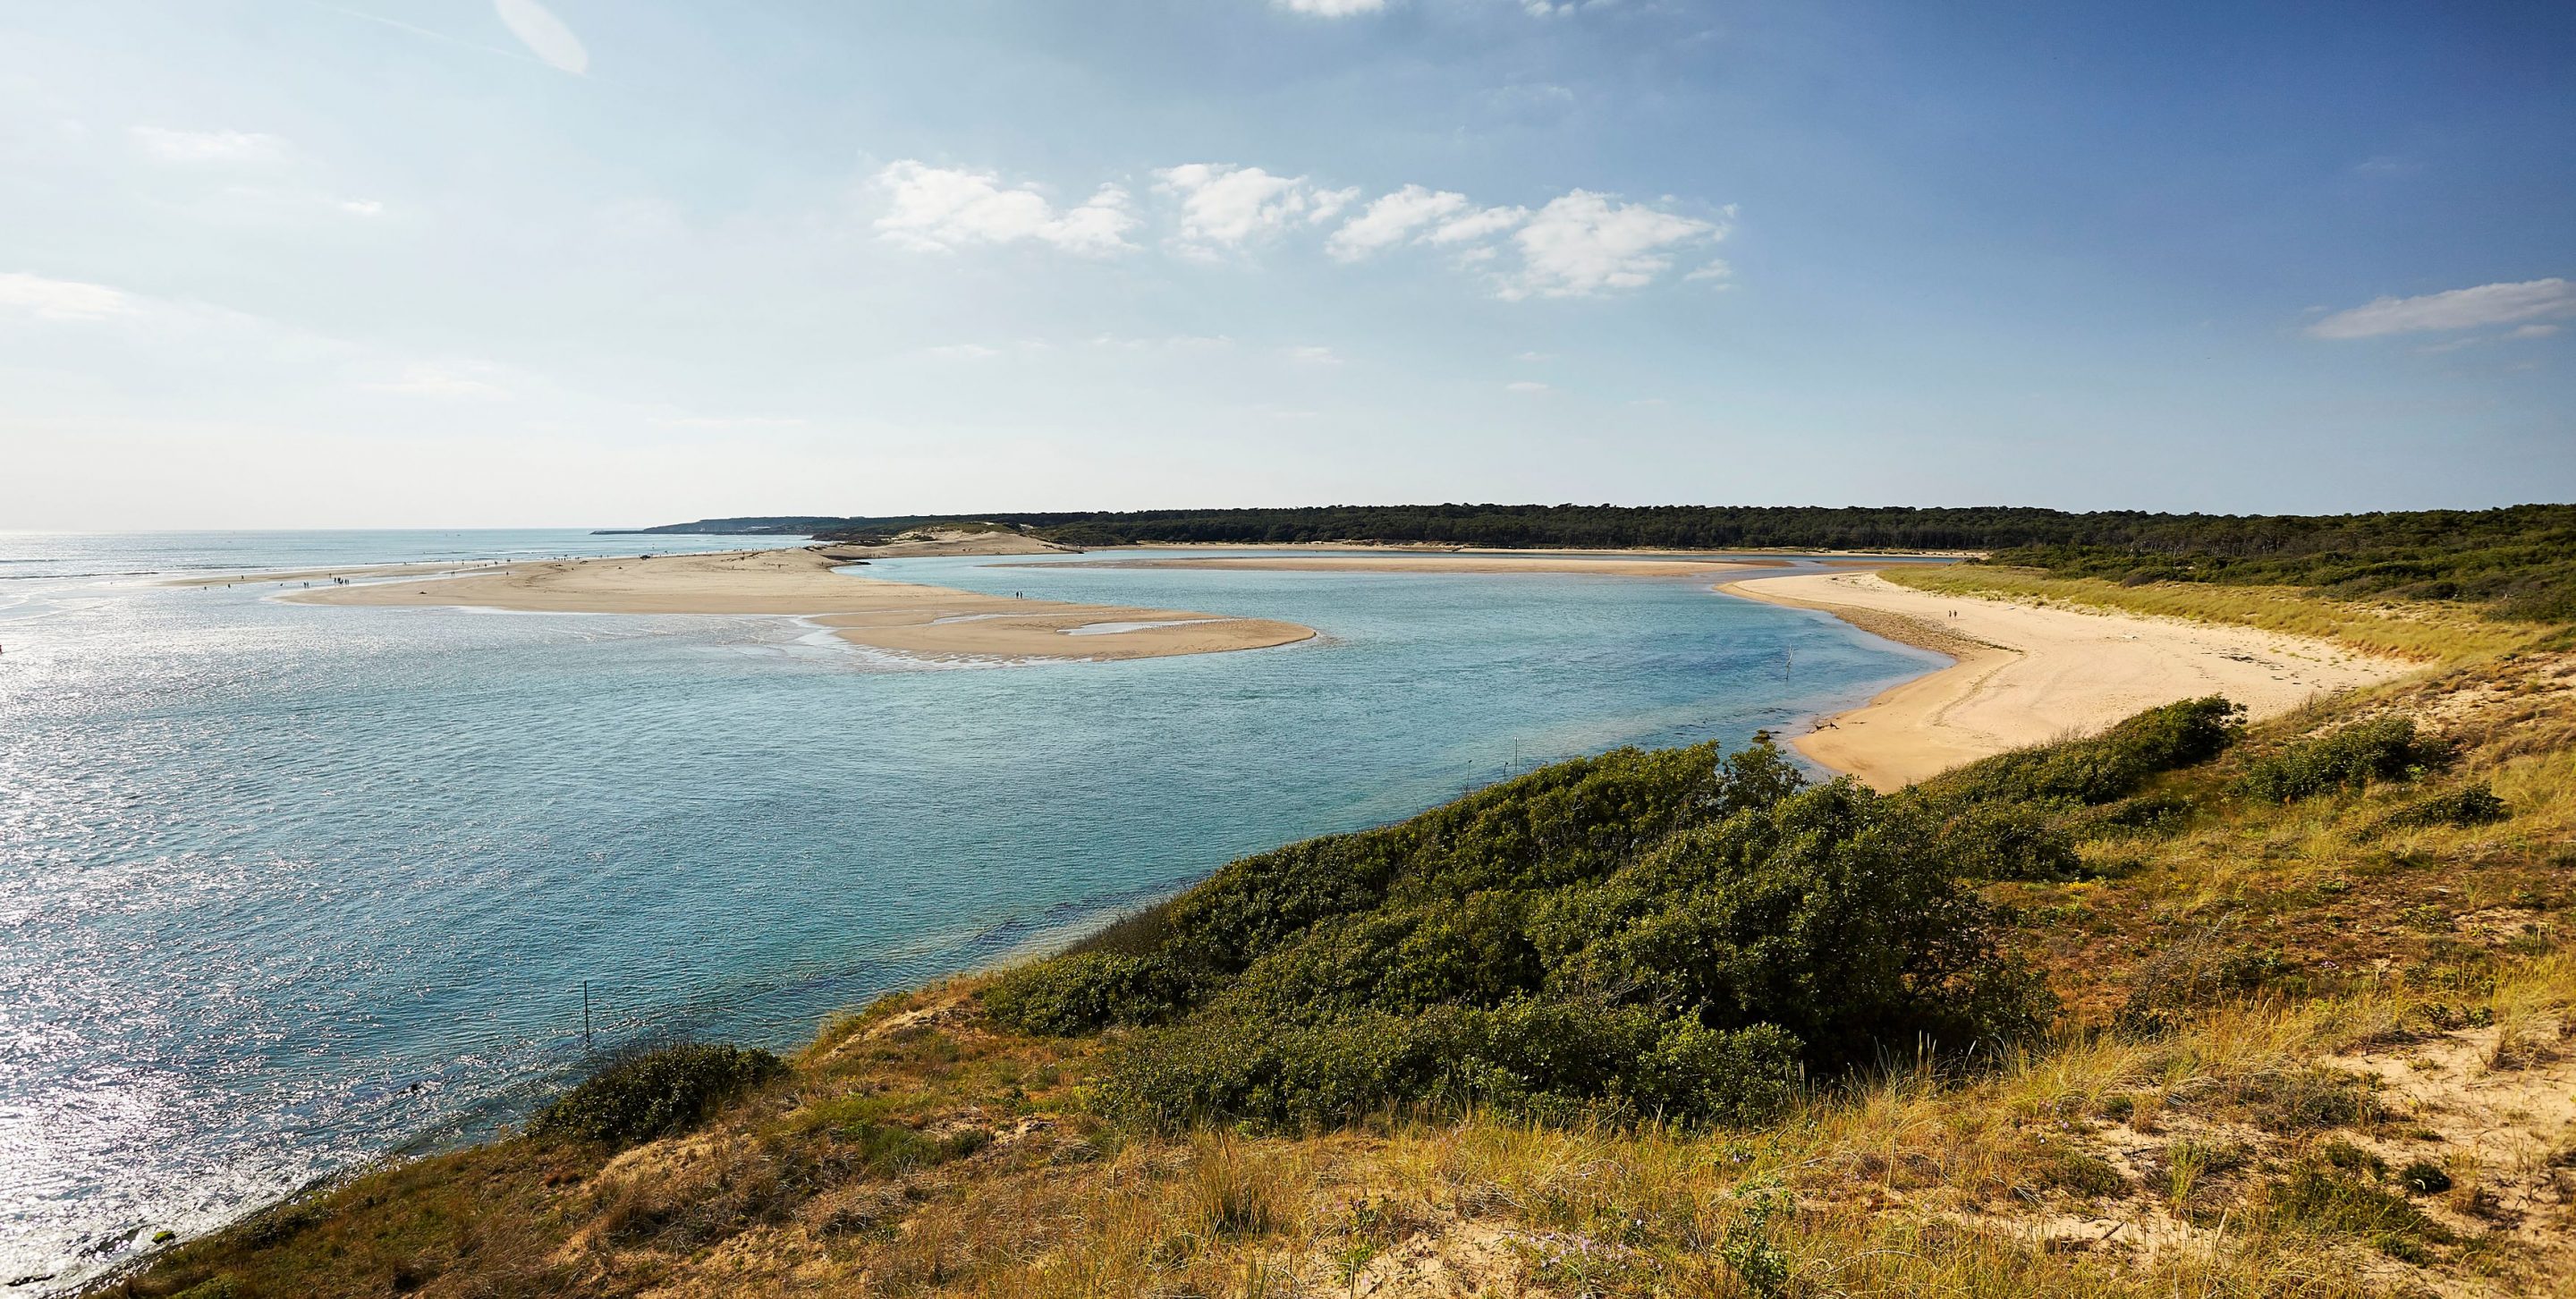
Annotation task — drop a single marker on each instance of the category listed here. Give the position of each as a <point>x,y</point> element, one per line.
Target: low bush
<point>2347,758</point>
<point>1677,934</point>
<point>2018,815</point>
<point>656,1093</point>
<point>2472,805</point>
<point>1546,1059</point>
<point>1083,992</point>
<point>2100,769</point>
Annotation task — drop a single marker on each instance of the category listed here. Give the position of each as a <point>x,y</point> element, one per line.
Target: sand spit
<point>903,617</point>
<point>2026,675</point>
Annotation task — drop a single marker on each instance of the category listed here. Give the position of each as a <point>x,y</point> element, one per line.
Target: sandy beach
<point>903,617</point>
<point>2025,675</point>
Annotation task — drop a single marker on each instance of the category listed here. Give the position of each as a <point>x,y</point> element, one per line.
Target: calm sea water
<point>283,888</point>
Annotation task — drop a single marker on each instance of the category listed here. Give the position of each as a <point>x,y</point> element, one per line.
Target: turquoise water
<point>285,887</point>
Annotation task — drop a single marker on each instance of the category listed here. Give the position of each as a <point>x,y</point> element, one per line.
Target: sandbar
<point>2027,675</point>
<point>903,617</point>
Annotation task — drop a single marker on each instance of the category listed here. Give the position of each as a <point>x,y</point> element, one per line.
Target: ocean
<point>287,888</point>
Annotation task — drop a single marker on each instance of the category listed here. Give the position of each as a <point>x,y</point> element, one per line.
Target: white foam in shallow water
<point>1113,628</point>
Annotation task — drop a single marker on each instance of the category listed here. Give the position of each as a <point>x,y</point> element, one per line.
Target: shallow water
<point>284,887</point>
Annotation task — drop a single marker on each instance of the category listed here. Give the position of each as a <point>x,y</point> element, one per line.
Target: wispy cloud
<point>544,34</point>
<point>201,148</point>
<point>1331,8</point>
<point>945,208</point>
<point>2476,308</point>
<point>46,299</point>
<point>1527,387</point>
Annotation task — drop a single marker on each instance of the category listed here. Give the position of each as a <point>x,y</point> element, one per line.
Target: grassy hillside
<point>2188,1008</point>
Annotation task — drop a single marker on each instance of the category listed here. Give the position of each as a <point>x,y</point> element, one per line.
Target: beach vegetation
<point>655,1093</point>
<point>1684,934</point>
<point>2345,758</point>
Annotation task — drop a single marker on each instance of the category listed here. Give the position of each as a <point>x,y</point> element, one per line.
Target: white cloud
<point>1415,213</point>
<point>364,207</point>
<point>1580,244</point>
<point>544,34</point>
<point>1583,243</point>
<point>1391,220</point>
<point>1331,8</point>
<point>2533,331</point>
<point>46,299</point>
<point>218,148</point>
<point>1226,206</point>
<point>1313,355</point>
<point>945,208</point>
<point>1328,203</point>
<point>1476,225</point>
<point>2487,304</point>
<point>1527,386</point>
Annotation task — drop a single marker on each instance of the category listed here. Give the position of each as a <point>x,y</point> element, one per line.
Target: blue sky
<point>426,262</point>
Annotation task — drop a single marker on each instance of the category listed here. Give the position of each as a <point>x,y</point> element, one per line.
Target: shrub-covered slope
<point>1669,1023</point>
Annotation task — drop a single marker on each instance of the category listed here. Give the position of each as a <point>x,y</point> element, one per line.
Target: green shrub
<point>1084,992</point>
<point>2471,805</point>
<point>2016,816</point>
<point>2009,841</point>
<point>1533,1056</point>
<point>2347,758</point>
<point>2101,769</point>
<point>1681,934</point>
<point>1675,934</point>
<point>656,1093</point>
